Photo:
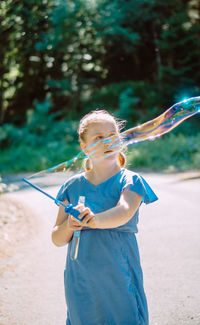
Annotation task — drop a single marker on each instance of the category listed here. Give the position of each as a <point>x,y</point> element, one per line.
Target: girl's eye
<point>99,137</point>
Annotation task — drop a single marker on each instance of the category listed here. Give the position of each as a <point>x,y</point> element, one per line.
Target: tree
<point>32,23</point>
<point>70,50</point>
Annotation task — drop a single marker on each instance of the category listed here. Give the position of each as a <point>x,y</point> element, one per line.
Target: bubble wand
<point>68,208</point>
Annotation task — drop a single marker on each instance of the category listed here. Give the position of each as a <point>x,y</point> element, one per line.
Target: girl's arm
<point>64,227</point>
<point>127,206</point>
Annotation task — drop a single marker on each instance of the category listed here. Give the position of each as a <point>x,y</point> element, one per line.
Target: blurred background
<point>60,59</point>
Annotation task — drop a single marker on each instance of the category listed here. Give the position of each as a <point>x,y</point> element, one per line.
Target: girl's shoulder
<point>126,177</point>
<point>127,174</point>
<point>69,186</point>
<point>130,172</point>
<point>135,182</point>
<point>73,179</point>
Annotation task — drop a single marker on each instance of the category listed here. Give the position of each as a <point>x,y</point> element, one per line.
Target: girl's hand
<point>92,223</point>
<point>87,215</point>
<point>73,223</point>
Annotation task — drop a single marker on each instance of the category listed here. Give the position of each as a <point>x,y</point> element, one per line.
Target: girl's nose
<point>107,140</point>
<point>107,143</point>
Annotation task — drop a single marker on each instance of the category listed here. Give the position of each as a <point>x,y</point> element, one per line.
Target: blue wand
<point>68,209</point>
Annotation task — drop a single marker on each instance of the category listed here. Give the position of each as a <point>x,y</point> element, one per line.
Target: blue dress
<point>104,286</point>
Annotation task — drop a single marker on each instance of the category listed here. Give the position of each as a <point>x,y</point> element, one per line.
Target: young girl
<point>104,286</point>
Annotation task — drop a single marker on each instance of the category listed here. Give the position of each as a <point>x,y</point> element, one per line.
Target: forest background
<point>60,59</point>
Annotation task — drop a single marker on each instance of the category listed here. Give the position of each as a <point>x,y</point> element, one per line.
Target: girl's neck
<point>98,174</point>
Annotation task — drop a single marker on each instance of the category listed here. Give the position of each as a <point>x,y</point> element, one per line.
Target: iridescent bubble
<point>165,122</point>
<point>150,130</point>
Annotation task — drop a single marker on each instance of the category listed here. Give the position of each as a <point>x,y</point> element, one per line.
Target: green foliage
<point>40,143</point>
<point>72,49</point>
<point>127,102</point>
<point>60,59</point>
<point>26,158</point>
<point>41,129</point>
<point>170,152</point>
<point>135,101</point>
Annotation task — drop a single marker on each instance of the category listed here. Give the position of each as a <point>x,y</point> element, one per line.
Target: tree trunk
<point>157,53</point>
<point>2,111</point>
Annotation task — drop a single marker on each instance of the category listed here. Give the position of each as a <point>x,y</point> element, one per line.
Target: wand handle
<point>75,213</point>
<point>76,236</point>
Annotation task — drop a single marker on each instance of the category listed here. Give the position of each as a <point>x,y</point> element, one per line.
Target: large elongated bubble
<point>164,123</point>
<point>150,130</point>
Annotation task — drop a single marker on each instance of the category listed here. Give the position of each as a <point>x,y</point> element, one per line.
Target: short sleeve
<point>137,183</point>
<point>63,194</point>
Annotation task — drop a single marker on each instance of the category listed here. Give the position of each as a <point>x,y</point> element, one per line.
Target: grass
<point>170,152</point>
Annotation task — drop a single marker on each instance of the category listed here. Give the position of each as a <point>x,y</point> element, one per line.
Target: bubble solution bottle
<point>76,236</point>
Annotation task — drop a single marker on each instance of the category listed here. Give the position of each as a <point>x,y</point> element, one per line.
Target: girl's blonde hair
<point>95,116</point>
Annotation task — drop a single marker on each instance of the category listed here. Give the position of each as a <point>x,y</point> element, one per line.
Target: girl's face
<point>96,139</point>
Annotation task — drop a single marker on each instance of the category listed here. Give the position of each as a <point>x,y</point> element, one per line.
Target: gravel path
<point>32,291</point>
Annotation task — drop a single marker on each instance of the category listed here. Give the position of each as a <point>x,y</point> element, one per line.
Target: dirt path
<point>32,291</point>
